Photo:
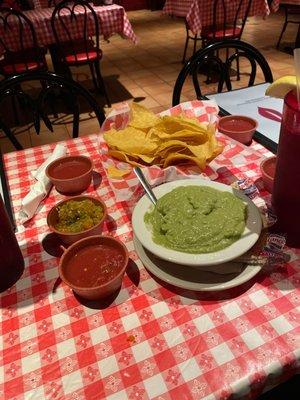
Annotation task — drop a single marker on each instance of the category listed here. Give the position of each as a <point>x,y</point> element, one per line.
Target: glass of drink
<point>12,262</point>
<point>286,190</point>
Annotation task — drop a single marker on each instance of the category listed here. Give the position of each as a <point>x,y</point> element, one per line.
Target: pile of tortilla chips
<point>149,139</point>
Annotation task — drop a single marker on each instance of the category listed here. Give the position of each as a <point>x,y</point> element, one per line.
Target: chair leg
<point>15,110</point>
<point>93,75</point>
<point>195,44</point>
<point>238,77</point>
<point>281,34</point>
<point>185,47</point>
<point>101,82</point>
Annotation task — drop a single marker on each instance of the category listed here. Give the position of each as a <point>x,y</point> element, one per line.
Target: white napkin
<point>41,188</point>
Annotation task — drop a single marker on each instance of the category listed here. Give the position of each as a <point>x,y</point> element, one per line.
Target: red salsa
<point>236,125</point>
<point>70,169</point>
<point>94,265</point>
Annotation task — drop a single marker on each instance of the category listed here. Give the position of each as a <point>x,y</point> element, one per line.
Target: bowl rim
<point>97,199</point>
<point>263,164</point>
<point>231,252</point>
<point>68,158</point>
<point>237,116</point>
<point>70,284</point>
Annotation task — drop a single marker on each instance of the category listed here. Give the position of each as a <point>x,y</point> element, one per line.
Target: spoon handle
<point>141,177</point>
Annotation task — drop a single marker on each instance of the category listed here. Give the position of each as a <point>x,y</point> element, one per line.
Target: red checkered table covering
<point>276,3</point>
<point>153,341</point>
<point>177,8</point>
<point>112,19</point>
<point>199,13</point>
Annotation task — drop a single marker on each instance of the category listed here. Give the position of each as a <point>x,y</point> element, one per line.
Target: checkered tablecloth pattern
<point>112,20</point>
<point>154,341</point>
<point>276,3</point>
<point>199,13</point>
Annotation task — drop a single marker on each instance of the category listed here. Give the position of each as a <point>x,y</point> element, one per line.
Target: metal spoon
<point>143,181</point>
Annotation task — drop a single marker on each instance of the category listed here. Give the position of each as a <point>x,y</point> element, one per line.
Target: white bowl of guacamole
<point>197,222</point>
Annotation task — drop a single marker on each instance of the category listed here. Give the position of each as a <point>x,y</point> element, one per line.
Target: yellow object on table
<point>153,140</point>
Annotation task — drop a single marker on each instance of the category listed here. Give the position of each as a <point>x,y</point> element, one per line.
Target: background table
<point>276,3</point>
<point>112,19</point>
<point>153,341</point>
<point>199,13</point>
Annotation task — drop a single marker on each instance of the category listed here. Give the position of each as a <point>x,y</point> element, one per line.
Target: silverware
<point>143,181</point>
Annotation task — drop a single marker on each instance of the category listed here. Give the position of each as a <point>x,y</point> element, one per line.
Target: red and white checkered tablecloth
<point>112,19</point>
<point>276,3</point>
<point>177,8</point>
<point>199,13</point>
<point>153,341</point>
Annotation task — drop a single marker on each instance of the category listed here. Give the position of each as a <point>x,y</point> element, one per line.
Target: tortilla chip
<point>116,173</point>
<point>124,157</point>
<point>130,140</point>
<point>174,159</point>
<point>168,140</point>
<point>142,118</point>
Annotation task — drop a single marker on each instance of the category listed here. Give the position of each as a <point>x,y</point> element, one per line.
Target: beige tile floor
<point>146,72</point>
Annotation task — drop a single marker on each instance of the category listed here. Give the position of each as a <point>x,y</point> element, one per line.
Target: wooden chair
<point>207,58</point>
<point>54,86</point>
<point>75,45</point>
<point>23,54</point>
<point>222,27</point>
<point>292,16</point>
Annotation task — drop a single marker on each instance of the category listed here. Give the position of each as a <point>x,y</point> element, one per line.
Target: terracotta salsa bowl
<point>94,267</point>
<point>267,168</point>
<point>69,238</point>
<point>238,127</point>
<point>70,174</point>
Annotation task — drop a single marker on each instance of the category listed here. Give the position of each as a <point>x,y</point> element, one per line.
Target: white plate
<point>192,278</point>
<point>247,240</point>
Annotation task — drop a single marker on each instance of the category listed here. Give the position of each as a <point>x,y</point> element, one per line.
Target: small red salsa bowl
<point>238,127</point>
<point>70,174</point>
<point>267,168</point>
<point>68,237</point>
<point>94,267</point>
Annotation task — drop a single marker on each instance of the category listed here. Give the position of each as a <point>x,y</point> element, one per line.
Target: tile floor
<point>146,72</point>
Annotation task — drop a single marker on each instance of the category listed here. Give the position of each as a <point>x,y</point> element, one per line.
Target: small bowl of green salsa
<point>77,218</point>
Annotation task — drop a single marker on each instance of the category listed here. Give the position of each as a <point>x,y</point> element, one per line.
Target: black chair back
<point>17,36</point>
<point>208,59</point>
<point>82,24</point>
<point>52,87</point>
<point>223,17</point>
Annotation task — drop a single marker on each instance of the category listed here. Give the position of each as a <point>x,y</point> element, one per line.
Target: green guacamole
<point>197,219</point>
<point>77,216</point>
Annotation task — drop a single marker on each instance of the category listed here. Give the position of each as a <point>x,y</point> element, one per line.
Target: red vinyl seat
<point>24,55</point>
<point>76,31</point>
<point>228,33</point>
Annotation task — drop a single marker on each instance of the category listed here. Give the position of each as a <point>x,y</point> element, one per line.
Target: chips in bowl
<point>169,140</point>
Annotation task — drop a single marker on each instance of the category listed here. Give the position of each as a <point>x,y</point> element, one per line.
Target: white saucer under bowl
<point>236,249</point>
<point>196,279</point>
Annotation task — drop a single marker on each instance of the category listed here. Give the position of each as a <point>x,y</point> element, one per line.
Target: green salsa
<point>77,216</point>
<point>197,219</point>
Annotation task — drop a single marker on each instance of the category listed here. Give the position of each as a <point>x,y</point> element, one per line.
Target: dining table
<point>288,3</point>
<point>112,20</point>
<point>152,340</point>
<point>199,13</point>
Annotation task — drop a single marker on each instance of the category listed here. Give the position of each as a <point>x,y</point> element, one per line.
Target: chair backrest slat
<point>53,84</point>
<point>78,23</point>
<point>224,16</point>
<point>17,34</point>
<point>209,56</point>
